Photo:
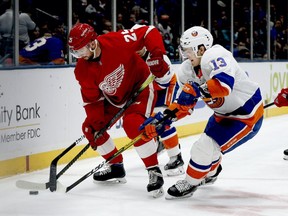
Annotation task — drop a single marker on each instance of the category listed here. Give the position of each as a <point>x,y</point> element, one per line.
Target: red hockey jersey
<point>119,72</point>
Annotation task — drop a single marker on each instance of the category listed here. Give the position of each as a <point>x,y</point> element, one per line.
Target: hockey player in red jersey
<point>109,71</point>
<point>280,101</point>
<point>167,88</point>
<point>282,98</point>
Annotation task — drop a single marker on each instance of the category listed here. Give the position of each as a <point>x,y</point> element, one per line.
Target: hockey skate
<point>113,173</point>
<point>155,182</point>
<point>211,179</point>
<point>285,157</point>
<point>182,189</point>
<point>175,166</point>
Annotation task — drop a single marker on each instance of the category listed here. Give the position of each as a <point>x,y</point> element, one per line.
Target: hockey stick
<point>268,105</point>
<point>53,178</point>
<point>53,170</point>
<point>53,167</point>
<point>52,184</point>
<point>170,116</point>
<point>135,140</point>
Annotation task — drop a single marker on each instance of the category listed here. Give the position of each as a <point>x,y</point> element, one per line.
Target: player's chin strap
<point>94,50</point>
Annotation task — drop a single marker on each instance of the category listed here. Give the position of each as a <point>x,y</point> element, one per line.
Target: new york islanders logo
<point>112,81</point>
<point>215,102</point>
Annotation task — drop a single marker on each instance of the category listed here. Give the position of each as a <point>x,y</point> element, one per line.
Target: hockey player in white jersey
<point>228,91</point>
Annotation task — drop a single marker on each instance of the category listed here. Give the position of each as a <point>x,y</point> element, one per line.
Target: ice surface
<point>253,182</point>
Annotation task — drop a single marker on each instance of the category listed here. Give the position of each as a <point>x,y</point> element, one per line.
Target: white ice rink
<point>253,182</point>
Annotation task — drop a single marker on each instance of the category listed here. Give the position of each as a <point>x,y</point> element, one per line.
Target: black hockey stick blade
<point>53,166</point>
<point>53,176</point>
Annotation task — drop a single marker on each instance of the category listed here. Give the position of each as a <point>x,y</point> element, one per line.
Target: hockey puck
<point>285,154</point>
<point>33,192</point>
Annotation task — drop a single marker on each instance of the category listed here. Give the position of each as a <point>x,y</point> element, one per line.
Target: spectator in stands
<point>259,48</point>
<point>140,13</point>
<point>6,31</point>
<point>26,24</point>
<point>242,41</point>
<point>103,7</point>
<point>166,32</point>
<point>119,27</point>
<point>131,22</point>
<point>165,29</point>
<point>107,26</point>
<point>278,40</point>
<point>120,19</point>
<point>259,13</point>
<point>35,33</point>
<point>46,50</point>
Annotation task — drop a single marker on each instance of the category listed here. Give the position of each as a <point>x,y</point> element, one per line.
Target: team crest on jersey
<point>215,102</point>
<point>112,81</point>
<point>194,33</point>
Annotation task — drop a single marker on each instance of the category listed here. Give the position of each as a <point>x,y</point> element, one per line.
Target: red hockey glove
<point>89,132</point>
<point>153,128</point>
<point>282,98</point>
<point>157,64</point>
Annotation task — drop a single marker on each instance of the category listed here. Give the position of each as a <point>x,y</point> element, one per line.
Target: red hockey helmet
<point>80,35</point>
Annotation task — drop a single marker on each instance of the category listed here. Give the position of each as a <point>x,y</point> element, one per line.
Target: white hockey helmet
<point>194,37</point>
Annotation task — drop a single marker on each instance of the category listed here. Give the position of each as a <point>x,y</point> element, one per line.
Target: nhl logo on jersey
<point>194,33</point>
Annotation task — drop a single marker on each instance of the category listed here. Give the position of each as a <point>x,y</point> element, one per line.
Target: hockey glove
<point>156,63</point>
<point>153,128</point>
<point>189,95</point>
<point>89,132</point>
<point>182,110</point>
<point>204,91</point>
<point>282,98</point>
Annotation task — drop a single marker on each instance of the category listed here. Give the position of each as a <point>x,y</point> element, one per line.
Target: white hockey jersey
<point>234,95</point>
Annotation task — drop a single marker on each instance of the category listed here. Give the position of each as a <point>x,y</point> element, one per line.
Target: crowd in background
<point>47,17</point>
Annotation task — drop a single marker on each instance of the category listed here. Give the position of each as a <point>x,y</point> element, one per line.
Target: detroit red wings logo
<point>112,81</point>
